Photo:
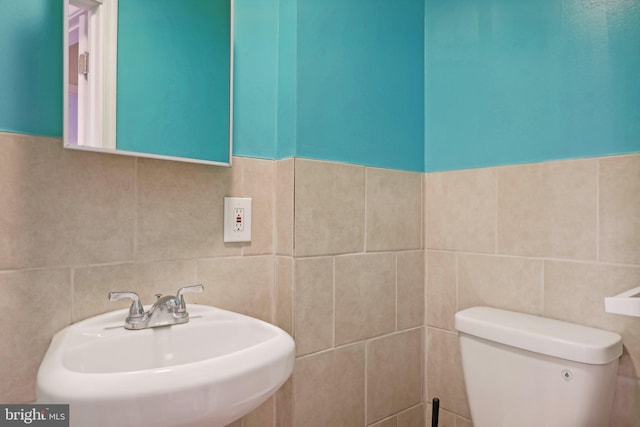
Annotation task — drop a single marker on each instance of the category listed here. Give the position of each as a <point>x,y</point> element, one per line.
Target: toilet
<point>529,371</point>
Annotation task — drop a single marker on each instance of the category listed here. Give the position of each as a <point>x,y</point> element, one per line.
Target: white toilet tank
<point>529,371</point>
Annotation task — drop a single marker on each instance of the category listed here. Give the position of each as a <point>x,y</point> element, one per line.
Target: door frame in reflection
<point>90,56</point>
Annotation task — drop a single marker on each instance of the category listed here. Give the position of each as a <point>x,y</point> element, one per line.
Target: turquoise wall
<point>287,78</point>
<point>331,80</point>
<point>255,78</point>
<point>360,76</point>
<point>525,81</point>
<point>173,78</point>
<point>505,81</point>
<point>31,66</point>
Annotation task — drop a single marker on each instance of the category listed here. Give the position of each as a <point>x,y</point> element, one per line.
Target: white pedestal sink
<point>205,373</point>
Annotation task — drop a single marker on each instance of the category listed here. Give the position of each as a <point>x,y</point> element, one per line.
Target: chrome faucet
<point>167,310</point>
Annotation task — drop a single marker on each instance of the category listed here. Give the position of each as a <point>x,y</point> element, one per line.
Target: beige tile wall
<point>359,296</point>
<point>76,225</point>
<point>551,239</point>
<point>337,260</point>
<point>330,262</point>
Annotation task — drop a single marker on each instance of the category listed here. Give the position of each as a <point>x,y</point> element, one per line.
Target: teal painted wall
<point>287,78</point>
<point>330,80</point>
<point>255,78</point>
<point>360,74</point>
<point>505,81</point>
<point>173,78</point>
<point>31,66</point>
<point>525,81</point>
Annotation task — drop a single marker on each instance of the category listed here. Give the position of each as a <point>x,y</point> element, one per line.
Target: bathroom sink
<point>205,373</point>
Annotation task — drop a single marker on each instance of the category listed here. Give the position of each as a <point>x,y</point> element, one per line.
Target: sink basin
<point>206,373</point>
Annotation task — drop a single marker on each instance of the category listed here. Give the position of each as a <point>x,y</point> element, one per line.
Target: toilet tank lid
<point>541,335</point>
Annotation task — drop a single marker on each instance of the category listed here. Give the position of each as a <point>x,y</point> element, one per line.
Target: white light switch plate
<point>237,219</point>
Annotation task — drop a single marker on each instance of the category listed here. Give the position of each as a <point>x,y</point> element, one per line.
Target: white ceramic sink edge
<point>212,385</point>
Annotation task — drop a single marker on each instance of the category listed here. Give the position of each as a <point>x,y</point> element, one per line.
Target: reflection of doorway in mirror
<point>90,33</point>
<point>78,93</point>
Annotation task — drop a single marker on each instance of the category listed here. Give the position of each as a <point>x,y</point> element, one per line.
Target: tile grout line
<point>72,285</point>
<point>542,280</point>
<point>293,208</point>
<point>396,293</point>
<point>423,213</point>
<point>366,382</point>
<point>274,228</point>
<point>540,258</point>
<point>365,341</point>
<point>366,184</point>
<point>136,211</point>
<point>333,337</point>
<point>598,210</point>
<point>457,281</point>
<point>242,193</point>
<point>495,233</point>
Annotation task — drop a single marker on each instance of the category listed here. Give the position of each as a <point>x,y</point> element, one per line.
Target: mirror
<point>149,78</point>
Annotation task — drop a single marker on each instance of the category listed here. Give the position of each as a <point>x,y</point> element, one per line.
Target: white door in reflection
<point>89,107</point>
<point>78,45</point>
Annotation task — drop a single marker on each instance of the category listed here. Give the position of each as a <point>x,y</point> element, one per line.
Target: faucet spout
<point>165,312</point>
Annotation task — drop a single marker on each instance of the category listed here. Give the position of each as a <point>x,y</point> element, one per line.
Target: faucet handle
<point>194,288</point>
<point>136,309</point>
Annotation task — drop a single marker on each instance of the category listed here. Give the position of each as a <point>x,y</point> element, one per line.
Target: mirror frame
<point>103,122</point>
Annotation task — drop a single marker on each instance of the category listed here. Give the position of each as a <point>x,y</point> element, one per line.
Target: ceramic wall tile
<point>262,416</point>
<point>442,289</point>
<point>329,388</point>
<point>63,207</point>
<point>35,304</point>
<point>389,422</point>
<point>284,221</point>
<point>463,422</point>
<point>314,312</point>
<point>393,374</point>
<point>365,296</point>
<point>626,407</point>
<point>329,208</point>
<point>548,209</point>
<point>566,235</point>
<point>180,209</point>
<point>413,417</point>
<point>445,418</point>
<point>258,177</point>
<point>620,209</point>
<point>575,292</point>
<point>445,379</point>
<point>393,209</point>
<point>248,293</point>
<point>410,293</point>
<point>461,210</point>
<point>283,293</point>
<point>284,404</point>
<point>504,282</point>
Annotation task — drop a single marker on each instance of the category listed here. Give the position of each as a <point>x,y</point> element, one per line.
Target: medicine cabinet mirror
<point>149,78</point>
